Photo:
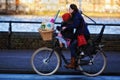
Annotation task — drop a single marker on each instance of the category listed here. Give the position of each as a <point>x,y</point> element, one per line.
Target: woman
<point>77,20</point>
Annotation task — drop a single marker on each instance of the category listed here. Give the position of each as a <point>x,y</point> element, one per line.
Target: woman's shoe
<point>71,64</point>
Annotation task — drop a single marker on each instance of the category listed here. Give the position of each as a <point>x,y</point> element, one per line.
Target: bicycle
<point>46,61</point>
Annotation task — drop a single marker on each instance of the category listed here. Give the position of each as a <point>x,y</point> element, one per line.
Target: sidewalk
<point>18,61</point>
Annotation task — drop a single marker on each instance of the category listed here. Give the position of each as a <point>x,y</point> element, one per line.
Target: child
<point>63,36</point>
<point>66,21</point>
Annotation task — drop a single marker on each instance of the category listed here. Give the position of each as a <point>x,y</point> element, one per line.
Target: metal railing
<point>30,22</point>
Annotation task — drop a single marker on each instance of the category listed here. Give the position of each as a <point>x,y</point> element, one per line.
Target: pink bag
<point>81,40</point>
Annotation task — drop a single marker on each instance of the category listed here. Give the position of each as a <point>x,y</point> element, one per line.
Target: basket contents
<point>46,30</point>
<point>47,25</point>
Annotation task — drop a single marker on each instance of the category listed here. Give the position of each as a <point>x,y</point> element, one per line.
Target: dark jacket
<point>78,24</point>
<point>68,32</point>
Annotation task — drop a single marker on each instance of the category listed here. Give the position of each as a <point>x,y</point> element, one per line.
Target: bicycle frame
<point>59,50</point>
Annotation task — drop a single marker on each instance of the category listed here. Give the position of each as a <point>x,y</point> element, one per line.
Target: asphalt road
<point>18,61</point>
<point>54,77</point>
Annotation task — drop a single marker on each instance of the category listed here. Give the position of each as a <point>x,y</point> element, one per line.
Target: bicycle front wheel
<point>45,61</point>
<point>93,66</point>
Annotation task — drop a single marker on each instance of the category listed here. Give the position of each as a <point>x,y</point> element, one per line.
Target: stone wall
<point>27,40</point>
<point>112,42</point>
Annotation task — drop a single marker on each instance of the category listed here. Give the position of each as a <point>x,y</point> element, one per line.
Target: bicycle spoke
<point>45,61</point>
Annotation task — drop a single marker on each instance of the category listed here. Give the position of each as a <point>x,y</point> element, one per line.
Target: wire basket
<point>46,34</point>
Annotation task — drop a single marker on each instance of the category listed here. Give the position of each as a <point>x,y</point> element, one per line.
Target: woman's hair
<point>74,7</point>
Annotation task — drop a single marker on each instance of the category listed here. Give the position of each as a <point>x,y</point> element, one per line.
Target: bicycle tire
<point>93,72</point>
<point>42,65</point>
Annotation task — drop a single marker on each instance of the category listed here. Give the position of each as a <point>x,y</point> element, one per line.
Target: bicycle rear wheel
<point>93,66</point>
<point>45,61</point>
